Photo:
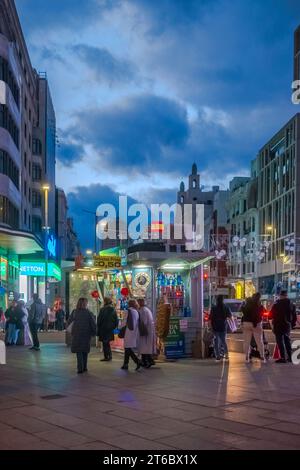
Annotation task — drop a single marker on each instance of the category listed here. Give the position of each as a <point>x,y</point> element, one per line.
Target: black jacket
<point>218,317</point>
<point>37,312</point>
<point>283,314</point>
<point>14,316</point>
<point>107,322</point>
<point>84,327</point>
<point>252,312</point>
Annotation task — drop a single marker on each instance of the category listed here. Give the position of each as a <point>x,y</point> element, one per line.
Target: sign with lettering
<point>107,262</point>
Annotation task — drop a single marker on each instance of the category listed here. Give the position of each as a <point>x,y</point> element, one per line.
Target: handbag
<point>122,332</point>
<point>70,328</point>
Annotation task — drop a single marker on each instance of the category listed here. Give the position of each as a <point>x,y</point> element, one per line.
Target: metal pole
<point>95,233</point>
<point>46,248</point>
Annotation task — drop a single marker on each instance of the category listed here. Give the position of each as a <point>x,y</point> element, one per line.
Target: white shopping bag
<point>2,353</point>
<point>231,325</point>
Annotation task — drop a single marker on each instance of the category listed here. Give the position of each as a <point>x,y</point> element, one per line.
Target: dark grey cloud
<point>89,198</point>
<point>105,66</point>
<point>134,134</point>
<point>69,153</point>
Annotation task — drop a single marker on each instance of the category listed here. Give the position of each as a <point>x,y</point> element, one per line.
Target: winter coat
<point>107,322</point>
<point>147,344</point>
<point>252,312</point>
<point>14,316</point>
<point>218,318</point>
<point>37,312</point>
<point>84,327</point>
<point>283,314</point>
<point>132,336</point>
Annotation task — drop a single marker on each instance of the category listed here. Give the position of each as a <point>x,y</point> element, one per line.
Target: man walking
<point>107,321</point>
<point>36,316</point>
<point>284,318</point>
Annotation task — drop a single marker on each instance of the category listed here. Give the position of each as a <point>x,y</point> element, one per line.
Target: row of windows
<point>8,123</point>
<point>36,199</point>
<point>36,172</point>
<point>6,76</point>
<point>286,138</point>
<point>9,214</point>
<point>9,168</point>
<point>36,147</point>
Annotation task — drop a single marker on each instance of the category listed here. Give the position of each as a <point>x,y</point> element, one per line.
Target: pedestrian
<point>284,318</point>
<point>2,319</point>
<point>14,323</point>
<point>59,315</point>
<point>107,322</point>
<point>218,320</point>
<point>131,335</point>
<point>37,315</point>
<point>83,329</point>
<point>27,340</point>
<point>147,337</point>
<point>252,325</point>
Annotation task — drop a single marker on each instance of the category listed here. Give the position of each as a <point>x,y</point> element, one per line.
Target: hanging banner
<point>107,262</point>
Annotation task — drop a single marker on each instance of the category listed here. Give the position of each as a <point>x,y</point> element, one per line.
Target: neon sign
<point>51,246</point>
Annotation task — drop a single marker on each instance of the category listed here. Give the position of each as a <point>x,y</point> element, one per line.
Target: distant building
<point>297,54</point>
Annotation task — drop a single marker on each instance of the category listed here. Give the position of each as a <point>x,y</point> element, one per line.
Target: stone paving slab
<point>188,404</point>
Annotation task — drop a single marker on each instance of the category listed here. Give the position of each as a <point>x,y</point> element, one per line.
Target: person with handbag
<point>107,322</point>
<point>131,335</point>
<point>252,325</point>
<point>218,320</point>
<point>82,326</point>
<point>147,337</point>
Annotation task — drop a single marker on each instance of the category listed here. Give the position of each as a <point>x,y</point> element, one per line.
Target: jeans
<point>220,342</point>
<point>283,341</point>
<point>107,350</point>
<point>82,358</point>
<point>257,332</point>
<point>12,334</point>
<point>130,354</point>
<point>34,327</point>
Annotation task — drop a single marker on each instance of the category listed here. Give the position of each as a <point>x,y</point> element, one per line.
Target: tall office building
<point>297,54</point>
<point>27,162</point>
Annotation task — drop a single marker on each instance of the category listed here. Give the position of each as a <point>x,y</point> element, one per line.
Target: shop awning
<point>19,242</point>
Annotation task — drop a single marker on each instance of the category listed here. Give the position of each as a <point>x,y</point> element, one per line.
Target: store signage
<point>175,341</point>
<point>183,324</point>
<point>3,268</point>
<point>30,268</point>
<point>51,246</point>
<point>142,279</point>
<point>116,251</point>
<point>107,262</point>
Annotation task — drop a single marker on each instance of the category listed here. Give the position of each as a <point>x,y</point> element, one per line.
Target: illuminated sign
<point>116,252</point>
<point>107,262</point>
<point>3,268</point>
<point>30,268</point>
<point>142,279</point>
<point>51,246</point>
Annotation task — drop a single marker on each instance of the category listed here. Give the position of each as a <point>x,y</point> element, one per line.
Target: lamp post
<point>46,189</point>
<point>272,229</point>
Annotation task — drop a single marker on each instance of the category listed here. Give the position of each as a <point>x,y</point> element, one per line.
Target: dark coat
<point>37,312</point>
<point>218,318</point>
<point>252,312</point>
<point>283,314</point>
<point>107,322</point>
<point>84,327</point>
<point>14,316</point>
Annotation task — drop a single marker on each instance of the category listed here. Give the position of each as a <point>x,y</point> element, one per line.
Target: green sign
<point>3,268</point>
<point>38,268</point>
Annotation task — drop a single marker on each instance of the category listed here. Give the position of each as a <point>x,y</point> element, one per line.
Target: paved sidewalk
<point>189,404</point>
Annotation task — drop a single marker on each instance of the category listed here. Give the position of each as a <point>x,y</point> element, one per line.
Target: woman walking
<point>252,325</point>
<point>131,335</point>
<point>27,340</point>
<point>218,319</point>
<point>83,329</point>
<point>107,322</point>
<point>147,338</point>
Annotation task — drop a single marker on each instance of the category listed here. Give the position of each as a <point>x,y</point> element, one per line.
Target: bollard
<point>2,353</point>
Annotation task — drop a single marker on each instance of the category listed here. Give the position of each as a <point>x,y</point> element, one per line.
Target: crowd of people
<point>282,316</point>
<point>21,323</point>
<point>137,329</point>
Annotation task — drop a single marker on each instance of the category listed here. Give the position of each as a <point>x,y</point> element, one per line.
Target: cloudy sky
<point>143,88</point>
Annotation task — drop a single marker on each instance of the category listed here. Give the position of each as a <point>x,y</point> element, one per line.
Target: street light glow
<point>46,187</point>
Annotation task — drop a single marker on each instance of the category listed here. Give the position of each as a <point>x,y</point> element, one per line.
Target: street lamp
<point>46,189</point>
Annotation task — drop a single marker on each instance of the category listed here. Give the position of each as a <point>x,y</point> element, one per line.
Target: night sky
<point>143,88</point>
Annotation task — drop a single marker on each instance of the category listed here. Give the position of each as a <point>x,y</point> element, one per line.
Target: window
<point>7,76</point>
<point>25,102</point>
<point>29,168</point>
<point>36,199</point>
<point>7,122</point>
<point>182,199</point>
<point>25,131</point>
<point>36,146</point>
<point>25,159</point>
<point>9,214</point>
<point>25,216</point>
<point>25,188</point>
<point>29,221</point>
<point>36,172</point>
<point>30,115</point>
<point>173,248</point>
<point>194,184</point>
<point>29,194</point>
<point>8,168</point>
<point>36,224</point>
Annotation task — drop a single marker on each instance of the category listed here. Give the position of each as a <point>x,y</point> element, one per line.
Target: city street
<point>189,404</point>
